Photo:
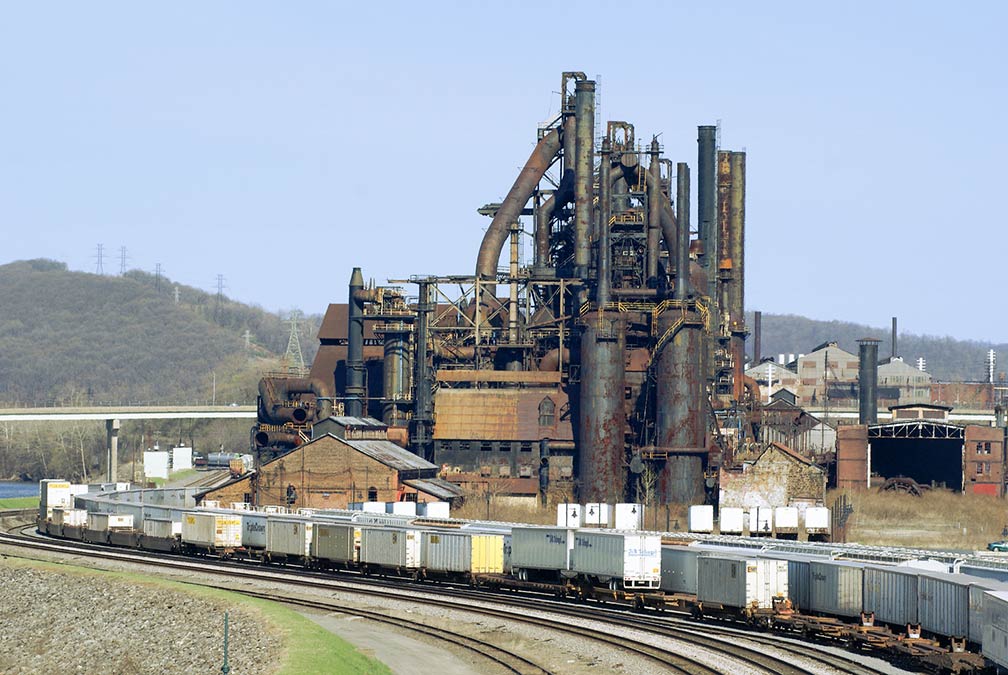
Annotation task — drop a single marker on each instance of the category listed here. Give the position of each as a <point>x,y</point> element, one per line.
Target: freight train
<point>901,608</point>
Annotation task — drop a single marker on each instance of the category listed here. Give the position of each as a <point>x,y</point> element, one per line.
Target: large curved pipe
<point>276,391</point>
<point>551,360</point>
<point>500,227</point>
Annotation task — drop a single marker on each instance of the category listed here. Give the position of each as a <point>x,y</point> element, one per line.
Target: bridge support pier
<point>112,449</point>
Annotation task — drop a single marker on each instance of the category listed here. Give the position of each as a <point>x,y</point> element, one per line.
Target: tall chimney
<point>584,154</point>
<point>894,353</point>
<point>683,220</point>
<point>604,242</point>
<point>757,337</point>
<point>707,198</point>
<point>355,347</point>
<point>868,381</point>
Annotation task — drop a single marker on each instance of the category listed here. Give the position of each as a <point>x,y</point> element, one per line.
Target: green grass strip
<point>19,503</point>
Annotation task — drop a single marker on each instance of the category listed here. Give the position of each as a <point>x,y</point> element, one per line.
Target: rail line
<point>672,660</point>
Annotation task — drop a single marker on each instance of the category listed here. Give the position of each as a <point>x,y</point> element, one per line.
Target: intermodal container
<point>254,526</point>
<point>390,547</point>
<point>631,557</point>
<point>701,518</point>
<point>289,537</point>
<point>731,520</point>
<point>541,548</point>
<point>103,522</point>
<point>462,552</point>
<point>892,593</point>
<point>155,527</point>
<point>335,542</point>
<point>951,605</point>
<point>786,520</point>
<point>995,628</point>
<point>53,494</point>
<point>679,569</point>
<point>835,587</point>
<point>739,582</point>
<point>212,530</point>
<point>71,517</point>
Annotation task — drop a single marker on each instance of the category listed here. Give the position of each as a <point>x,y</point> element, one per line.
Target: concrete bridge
<point>113,415</point>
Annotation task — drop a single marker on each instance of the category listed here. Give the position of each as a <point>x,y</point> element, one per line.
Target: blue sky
<point>280,145</point>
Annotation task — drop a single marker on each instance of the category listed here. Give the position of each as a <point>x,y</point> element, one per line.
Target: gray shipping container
<point>289,537</point>
<point>541,548</point>
<point>891,592</point>
<point>679,569</point>
<point>390,547</point>
<point>335,542</point>
<point>835,588</point>
<point>254,526</point>
<point>995,629</point>
<point>442,551</point>
<point>952,604</point>
<point>156,527</point>
<point>633,557</point>
<point>739,582</point>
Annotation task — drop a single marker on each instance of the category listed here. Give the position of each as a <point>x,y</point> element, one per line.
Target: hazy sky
<point>279,145</point>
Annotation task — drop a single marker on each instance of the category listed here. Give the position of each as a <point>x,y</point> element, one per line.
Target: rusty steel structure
<point>615,355</point>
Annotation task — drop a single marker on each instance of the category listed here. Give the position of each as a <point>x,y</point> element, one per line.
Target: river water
<point>18,489</point>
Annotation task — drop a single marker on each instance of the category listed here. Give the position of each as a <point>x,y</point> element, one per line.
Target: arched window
<point>547,412</point>
<point>372,494</point>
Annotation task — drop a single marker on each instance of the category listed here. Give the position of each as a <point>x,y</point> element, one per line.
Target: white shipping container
<point>786,519</point>
<point>401,508</point>
<point>738,582</point>
<point>995,627</point>
<point>156,527</point>
<point>436,510</point>
<point>541,548</point>
<point>568,515</point>
<point>103,522</point>
<point>731,520</point>
<point>53,494</point>
<point>629,516</point>
<point>892,593</point>
<point>633,557</point>
<point>210,504</point>
<point>598,515</point>
<point>155,463</point>
<point>212,530</point>
<point>390,548</point>
<point>78,489</point>
<point>373,507</point>
<point>70,517</point>
<point>701,518</point>
<point>122,487</point>
<point>289,537</point>
<point>181,458</point>
<point>817,520</point>
<point>335,542</point>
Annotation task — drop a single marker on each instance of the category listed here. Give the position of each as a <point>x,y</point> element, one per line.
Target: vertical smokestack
<point>736,238</point>
<point>584,153</point>
<point>605,209</point>
<point>602,424</point>
<point>707,200</point>
<point>423,381</point>
<point>683,220</point>
<point>654,215</point>
<point>868,381</point>
<point>721,265</point>
<point>757,337</point>
<point>894,353</point>
<point>354,406</point>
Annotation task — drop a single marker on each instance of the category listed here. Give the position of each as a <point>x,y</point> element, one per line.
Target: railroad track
<point>709,644</point>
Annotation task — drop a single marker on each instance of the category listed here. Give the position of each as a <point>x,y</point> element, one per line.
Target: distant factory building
<point>921,445</point>
<point>349,459</point>
<point>772,377</point>
<point>783,422</point>
<point>779,476</point>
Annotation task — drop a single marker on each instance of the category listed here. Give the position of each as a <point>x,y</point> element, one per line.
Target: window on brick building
<point>372,494</point>
<point>547,412</point>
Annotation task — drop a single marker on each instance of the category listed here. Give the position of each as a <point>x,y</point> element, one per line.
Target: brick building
<point>920,443</point>
<point>348,460</point>
<point>778,477</point>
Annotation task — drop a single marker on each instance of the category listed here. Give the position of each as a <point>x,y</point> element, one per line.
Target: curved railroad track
<point>728,649</point>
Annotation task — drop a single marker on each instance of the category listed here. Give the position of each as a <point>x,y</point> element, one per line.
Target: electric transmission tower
<point>293,357</point>
<point>100,256</point>
<point>122,261</point>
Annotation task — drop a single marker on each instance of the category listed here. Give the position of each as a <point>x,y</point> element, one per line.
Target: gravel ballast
<point>58,622</point>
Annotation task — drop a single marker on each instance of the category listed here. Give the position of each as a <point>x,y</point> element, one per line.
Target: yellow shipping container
<point>487,554</point>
